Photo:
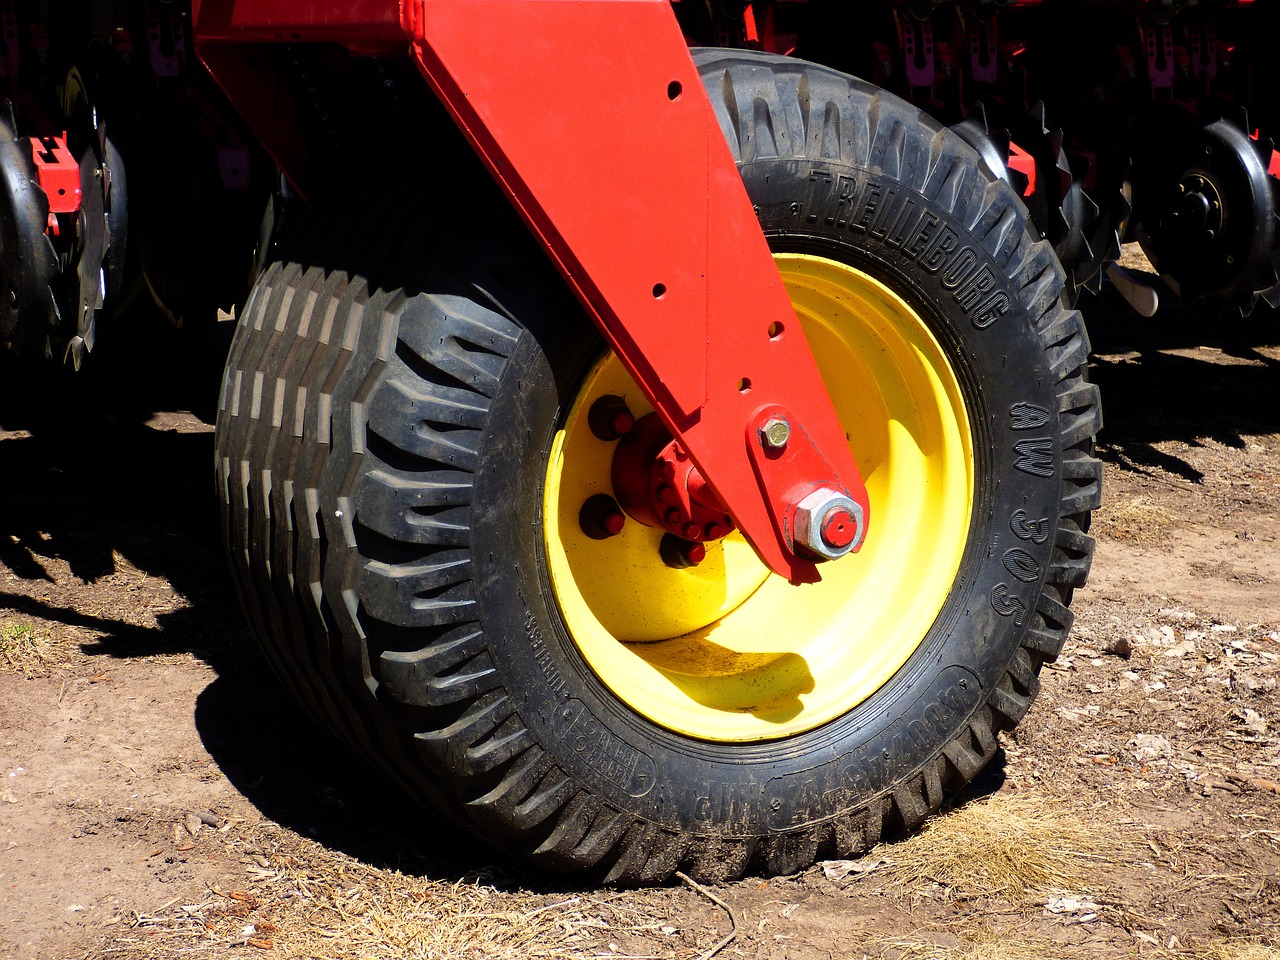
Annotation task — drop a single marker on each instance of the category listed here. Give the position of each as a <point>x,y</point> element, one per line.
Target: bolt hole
<point>62,192</point>
<point>659,291</point>
<point>775,330</point>
<point>674,89</point>
<point>744,385</point>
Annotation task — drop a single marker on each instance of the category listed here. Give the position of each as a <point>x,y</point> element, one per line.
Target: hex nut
<point>812,512</point>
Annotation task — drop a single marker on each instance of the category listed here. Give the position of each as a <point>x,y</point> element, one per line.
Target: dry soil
<point>160,795</point>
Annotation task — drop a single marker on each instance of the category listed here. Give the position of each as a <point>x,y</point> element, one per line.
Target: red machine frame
<point>592,117</point>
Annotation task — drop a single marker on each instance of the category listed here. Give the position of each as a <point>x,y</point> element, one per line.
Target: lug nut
<point>601,518</point>
<point>681,554</point>
<point>775,433</point>
<point>609,418</point>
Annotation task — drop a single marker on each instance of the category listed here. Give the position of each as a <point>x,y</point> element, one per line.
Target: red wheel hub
<point>657,484</point>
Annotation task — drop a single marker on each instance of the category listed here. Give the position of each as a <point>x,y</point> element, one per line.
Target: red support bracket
<point>57,174</point>
<point>592,117</point>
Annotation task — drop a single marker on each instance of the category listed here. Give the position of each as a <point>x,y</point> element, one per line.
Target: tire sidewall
<point>845,213</point>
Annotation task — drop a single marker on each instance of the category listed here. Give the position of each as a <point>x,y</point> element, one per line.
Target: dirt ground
<point>160,796</point>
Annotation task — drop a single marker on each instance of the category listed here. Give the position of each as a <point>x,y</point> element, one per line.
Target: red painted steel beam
<point>592,117</point>
<point>350,22</point>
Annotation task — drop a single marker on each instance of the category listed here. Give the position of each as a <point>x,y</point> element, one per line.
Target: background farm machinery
<point>130,177</point>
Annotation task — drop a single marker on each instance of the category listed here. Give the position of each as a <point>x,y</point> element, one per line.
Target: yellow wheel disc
<point>727,651</point>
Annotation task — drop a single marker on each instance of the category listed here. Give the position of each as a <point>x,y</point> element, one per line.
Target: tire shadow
<point>98,468</point>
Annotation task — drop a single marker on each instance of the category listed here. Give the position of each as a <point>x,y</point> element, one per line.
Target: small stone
<point>1248,684</point>
<point>1149,747</point>
<point>1119,647</point>
<point>1252,721</point>
<point>1211,785</point>
<point>1222,628</point>
<point>193,824</point>
<point>1129,675</point>
<point>1063,905</point>
<point>843,869</point>
<point>1181,649</point>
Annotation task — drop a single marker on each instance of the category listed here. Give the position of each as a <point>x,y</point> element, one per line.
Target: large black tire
<point>385,425</point>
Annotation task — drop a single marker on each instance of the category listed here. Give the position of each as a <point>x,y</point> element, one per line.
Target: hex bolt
<point>609,419</point>
<point>775,433</point>
<point>666,493</point>
<point>601,518</point>
<point>680,554</point>
<point>673,516</point>
<point>715,531</point>
<point>692,531</point>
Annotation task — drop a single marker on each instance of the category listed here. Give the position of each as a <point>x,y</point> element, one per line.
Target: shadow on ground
<point>1188,374</point>
<point>98,467</point>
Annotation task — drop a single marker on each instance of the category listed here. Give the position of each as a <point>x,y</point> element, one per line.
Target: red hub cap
<point>839,528</point>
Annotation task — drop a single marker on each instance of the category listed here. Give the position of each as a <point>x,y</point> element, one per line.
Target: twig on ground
<point>733,917</point>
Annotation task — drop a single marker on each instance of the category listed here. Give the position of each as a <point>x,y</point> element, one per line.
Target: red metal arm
<point>592,117</point>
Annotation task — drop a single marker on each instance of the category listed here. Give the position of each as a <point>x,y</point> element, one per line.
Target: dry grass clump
<point>397,916</point>
<point>1009,845</point>
<point>1137,518</point>
<point>983,945</point>
<point>1244,949</point>
<point>358,912</point>
<point>23,649</point>
<point>320,906</point>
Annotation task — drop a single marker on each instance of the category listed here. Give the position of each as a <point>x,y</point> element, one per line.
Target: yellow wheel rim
<point>726,651</point>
